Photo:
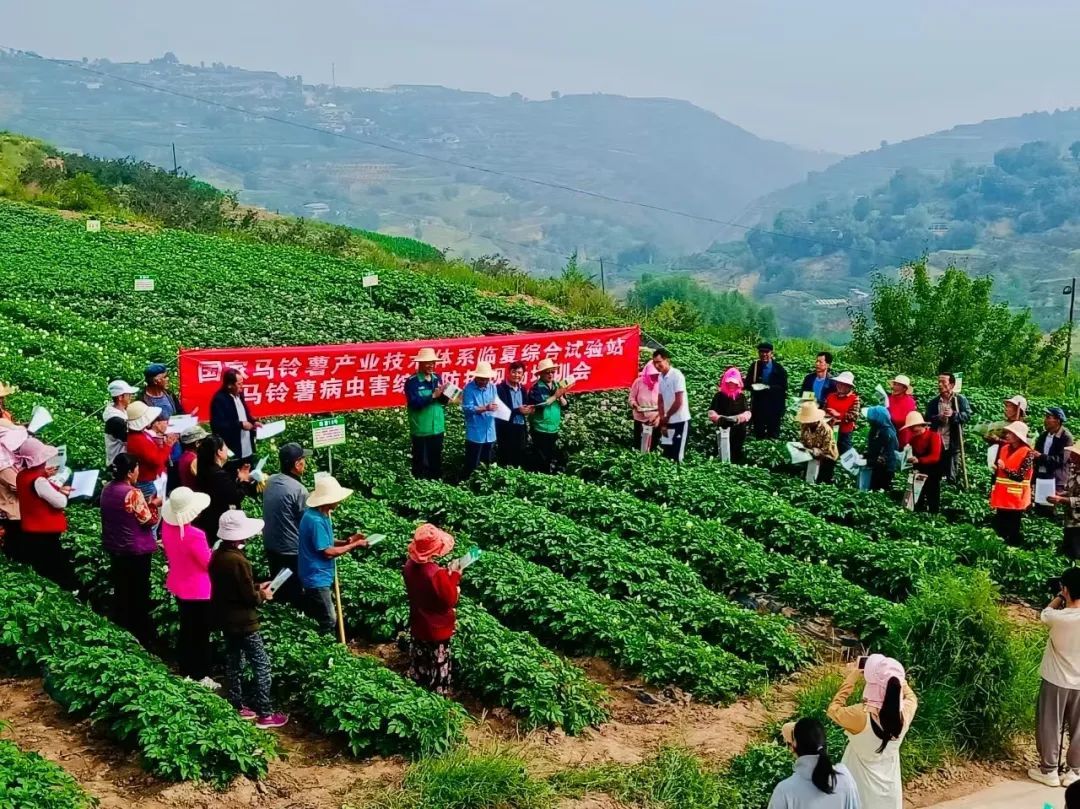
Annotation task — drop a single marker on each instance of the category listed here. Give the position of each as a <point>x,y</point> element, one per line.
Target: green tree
<point>922,325</point>
<point>674,316</point>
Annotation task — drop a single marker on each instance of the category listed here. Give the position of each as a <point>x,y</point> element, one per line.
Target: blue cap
<point>155,368</point>
<point>1057,413</point>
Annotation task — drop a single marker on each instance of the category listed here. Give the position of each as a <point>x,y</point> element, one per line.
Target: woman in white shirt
<point>875,728</point>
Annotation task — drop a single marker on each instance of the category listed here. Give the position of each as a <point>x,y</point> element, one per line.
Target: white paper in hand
<point>1044,487</point>
<point>38,419</point>
<point>257,473</point>
<point>502,412</point>
<point>759,386</point>
<point>83,484</point>
<point>667,437</point>
<point>798,452</point>
<point>375,539</point>
<point>852,461</point>
<point>450,390</point>
<point>280,579</point>
<point>177,424</point>
<point>991,457</point>
<point>270,430</point>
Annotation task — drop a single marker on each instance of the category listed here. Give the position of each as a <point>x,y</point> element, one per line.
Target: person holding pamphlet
<point>127,536</point>
<point>768,386</point>
<point>157,393</point>
<point>842,409</point>
<point>230,417</point>
<point>115,417</point>
<point>818,438</point>
<point>926,453</point>
<point>151,443</point>
<point>284,502</point>
<point>234,599</point>
<point>479,401</point>
<point>1051,469</point>
<point>318,551</point>
<point>227,487</point>
<point>674,407</point>
<point>41,506</point>
<point>643,392</point>
<point>511,433</point>
<point>187,552</point>
<point>433,593</point>
<point>426,399</point>
<point>548,400</point>
<point>1010,494</point>
<point>1069,497</point>
<point>729,411</point>
<point>881,449</point>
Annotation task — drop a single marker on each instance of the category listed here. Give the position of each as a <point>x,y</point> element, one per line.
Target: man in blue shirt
<point>318,551</point>
<point>479,403</point>
<point>820,380</point>
<point>510,435</point>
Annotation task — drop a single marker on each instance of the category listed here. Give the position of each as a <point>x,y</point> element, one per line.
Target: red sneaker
<point>247,713</point>
<point>274,720</point>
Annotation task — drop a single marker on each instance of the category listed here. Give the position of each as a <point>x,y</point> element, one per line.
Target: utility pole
<point>175,168</point>
<point>333,75</point>
<point>1070,290</point>
<point>603,285</point>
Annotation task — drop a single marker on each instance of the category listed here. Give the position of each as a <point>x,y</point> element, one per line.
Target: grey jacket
<point>799,792</point>
<point>284,502</point>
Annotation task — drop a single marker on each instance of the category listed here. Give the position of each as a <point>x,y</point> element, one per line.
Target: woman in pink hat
<point>41,506</point>
<point>875,728</point>
<point>433,594</point>
<point>642,398</point>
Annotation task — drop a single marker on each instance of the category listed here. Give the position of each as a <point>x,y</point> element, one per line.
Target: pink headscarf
<point>877,673</point>
<point>731,383</point>
<point>649,375</point>
<point>429,542</point>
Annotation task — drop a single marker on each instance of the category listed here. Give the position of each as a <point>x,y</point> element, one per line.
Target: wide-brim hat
<point>35,452</point>
<point>118,387</point>
<point>327,491</point>
<point>428,542</point>
<point>915,419</point>
<point>426,355</point>
<point>545,364</point>
<point>193,434</point>
<point>483,370</point>
<point>809,413</point>
<point>7,390</point>
<point>1019,429</point>
<point>140,415</point>
<point>903,379</point>
<point>184,505</point>
<point>845,378</point>
<point>1019,401</point>
<point>236,526</point>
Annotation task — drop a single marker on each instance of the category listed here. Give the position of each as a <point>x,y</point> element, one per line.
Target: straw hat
<point>1019,401</point>
<point>327,491</point>
<point>1019,429</point>
<point>426,355</point>
<point>184,505</point>
<point>915,419</point>
<point>236,526</point>
<point>483,370</point>
<point>902,379</point>
<point>7,390</point>
<point>846,378</point>
<point>809,413</point>
<point>546,364</point>
<point>140,415</point>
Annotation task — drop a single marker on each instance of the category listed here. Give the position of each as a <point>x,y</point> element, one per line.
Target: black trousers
<point>826,470</point>
<point>13,540</point>
<point>1070,543</point>
<point>193,649</point>
<point>510,441</point>
<point>476,454</point>
<point>50,559</point>
<point>1006,524</point>
<point>546,446</point>
<point>766,422</point>
<point>930,499</point>
<point>290,592</point>
<point>675,451</point>
<point>427,457</point>
<point>881,479</point>
<point>131,596</point>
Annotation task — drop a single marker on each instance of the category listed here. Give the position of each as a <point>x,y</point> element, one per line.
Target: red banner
<point>357,376</point>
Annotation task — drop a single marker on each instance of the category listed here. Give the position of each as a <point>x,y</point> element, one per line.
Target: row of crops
<point>629,558</point>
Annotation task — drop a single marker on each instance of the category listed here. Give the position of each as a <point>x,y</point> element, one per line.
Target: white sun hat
<point>327,491</point>
<point>184,505</point>
<point>846,378</point>
<point>236,526</point>
<point>140,415</point>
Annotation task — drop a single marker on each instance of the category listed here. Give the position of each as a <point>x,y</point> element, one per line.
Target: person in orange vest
<point>1010,495</point>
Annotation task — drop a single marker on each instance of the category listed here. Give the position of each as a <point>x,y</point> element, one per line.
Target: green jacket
<point>545,418</point>
<point>427,416</point>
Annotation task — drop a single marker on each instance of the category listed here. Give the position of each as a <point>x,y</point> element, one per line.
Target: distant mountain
<point>660,151</point>
<point>934,153</point>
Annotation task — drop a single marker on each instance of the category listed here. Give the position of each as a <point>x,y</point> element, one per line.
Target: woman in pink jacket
<point>188,555</point>
<point>644,392</point>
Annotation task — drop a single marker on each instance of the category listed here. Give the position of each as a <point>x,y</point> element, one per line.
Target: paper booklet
<point>503,412</point>
<point>375,539</point>
<point>178,424</point>
<point>270,430</point>
<point>1044,487</point>
<point>83,484</point>
<point>39,417</point>
<point>798,452</point>
<point>257,473</point>
<point>852,461</point>
<point>465,561</point>
<point>759,386</point>
<point>992,456</point>
<point>450,390</point>
<point>280,579</point>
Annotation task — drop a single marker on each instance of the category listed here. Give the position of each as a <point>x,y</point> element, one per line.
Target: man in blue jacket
<point>820,380</point>
<point>510,435</point>
<point>479,403</point>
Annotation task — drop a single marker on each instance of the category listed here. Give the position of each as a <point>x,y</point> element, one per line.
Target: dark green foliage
<point>28,781</point>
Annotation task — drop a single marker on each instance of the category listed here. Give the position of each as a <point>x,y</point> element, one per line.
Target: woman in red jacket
<point>926,451</point>
<point>433,594</point>
<point>151,444</point>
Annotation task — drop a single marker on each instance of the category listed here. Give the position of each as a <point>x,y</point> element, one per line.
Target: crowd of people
<point>182,495</point>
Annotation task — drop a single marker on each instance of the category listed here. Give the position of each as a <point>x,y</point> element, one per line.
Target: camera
<point>1053,584</point>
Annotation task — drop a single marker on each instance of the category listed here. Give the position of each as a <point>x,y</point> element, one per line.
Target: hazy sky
<point>836,74</point>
